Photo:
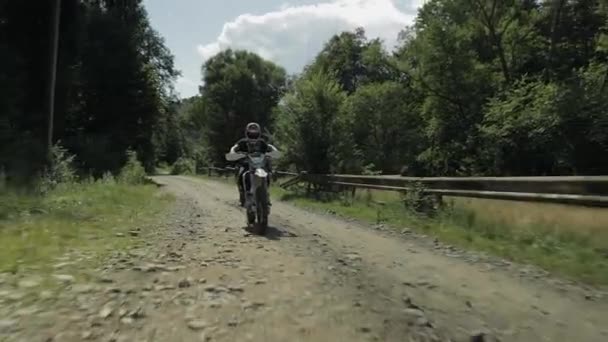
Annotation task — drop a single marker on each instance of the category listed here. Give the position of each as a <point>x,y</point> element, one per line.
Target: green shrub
<point>419,202</point>
<point>60,171</point>
<point>107,178</point>
<point>133,172</point>
<point>183,166</point>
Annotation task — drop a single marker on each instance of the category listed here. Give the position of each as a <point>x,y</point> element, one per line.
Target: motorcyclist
<point>251,143</point>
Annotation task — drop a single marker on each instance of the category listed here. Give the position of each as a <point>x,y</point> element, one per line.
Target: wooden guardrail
<point>577,190</point>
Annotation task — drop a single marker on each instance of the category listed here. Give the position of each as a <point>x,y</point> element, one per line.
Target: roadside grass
<point>575,249</point>
<point>90,218</point>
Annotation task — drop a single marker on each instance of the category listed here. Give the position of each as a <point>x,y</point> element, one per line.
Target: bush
<point>183,166</point>
<point>60,171</point>
<point>133,172</point>
<point>107,178</point>
<point>419,202</point>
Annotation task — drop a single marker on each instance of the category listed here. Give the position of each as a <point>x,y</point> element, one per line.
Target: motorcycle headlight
<point>261,173</point>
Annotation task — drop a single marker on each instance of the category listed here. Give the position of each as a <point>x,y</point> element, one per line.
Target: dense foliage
<point>499,87</point>
<point>113,92</point>
<point>474,87</point>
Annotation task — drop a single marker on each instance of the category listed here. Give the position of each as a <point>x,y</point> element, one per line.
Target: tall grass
<point>69,214</point>
<point>574,247</point>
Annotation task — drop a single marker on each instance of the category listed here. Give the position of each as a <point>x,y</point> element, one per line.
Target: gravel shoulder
<point>200,276</point>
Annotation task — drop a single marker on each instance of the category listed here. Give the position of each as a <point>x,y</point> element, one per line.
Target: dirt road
<point>202,277</point>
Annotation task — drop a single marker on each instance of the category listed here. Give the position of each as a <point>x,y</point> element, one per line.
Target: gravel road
<point>201,276</point>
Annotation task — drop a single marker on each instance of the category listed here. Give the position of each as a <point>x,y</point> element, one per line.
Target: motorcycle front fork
<point>249,194</point>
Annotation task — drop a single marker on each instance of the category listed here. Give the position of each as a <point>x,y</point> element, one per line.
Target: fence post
<point>379,212</point>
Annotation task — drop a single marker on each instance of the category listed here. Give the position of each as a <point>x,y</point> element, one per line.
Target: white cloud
<point>293,35</point>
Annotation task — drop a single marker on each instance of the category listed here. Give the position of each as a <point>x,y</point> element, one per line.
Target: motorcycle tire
<point>262,210</point>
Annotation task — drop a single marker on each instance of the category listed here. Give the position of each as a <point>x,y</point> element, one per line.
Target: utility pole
<point>56,11</point>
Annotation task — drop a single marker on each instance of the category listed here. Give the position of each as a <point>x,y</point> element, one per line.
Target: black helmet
<point>253,131</point>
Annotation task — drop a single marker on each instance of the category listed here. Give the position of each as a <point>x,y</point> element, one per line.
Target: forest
<point>501,88</point>
<point>113,91</point>
<point>474,87</point>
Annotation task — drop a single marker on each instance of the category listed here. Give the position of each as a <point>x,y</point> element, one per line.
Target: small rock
<point>261,281</point>
<point>119,235</point>
<point>254,305</point>
<point>133,233</point>
<point>482,336</point>
<point>365,329</point>
<point>175,268</point>
<point>62,265</point>
<point>197,324</point>
<point>7,325</point>
<point>113,289</point>
<point>64,278</point>
<point>86,335</point>
<point>414,312</point>
<point>202,281</point>
<point>233,323</point>
<point>353,257</point>
<point>28,283</point>
<point>186,282</point>
<point>122,312</point>
<point>164,287</point>
<point>106,312</point>
<point>46,294</point>
<point>137,313</point>
<point>82,288</point>
<point>423,322</point>
<point>105,279</point>
<point>126,320</point>
<point>27,311</point>
<point>469,304</point>
<point>215,305</point>
<point>236,288</point>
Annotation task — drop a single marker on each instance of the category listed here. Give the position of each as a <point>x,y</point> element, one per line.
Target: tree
<point>239,87</point>
<point>522,128</point>
<point>444,69</point>
<point>386,125</point>
<point>309,128</point>
<point>114,84</point>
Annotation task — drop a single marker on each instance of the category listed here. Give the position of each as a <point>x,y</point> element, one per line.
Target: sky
<point>287,32</point>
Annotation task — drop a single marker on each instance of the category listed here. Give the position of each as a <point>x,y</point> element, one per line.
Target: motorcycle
<point>255,180</point>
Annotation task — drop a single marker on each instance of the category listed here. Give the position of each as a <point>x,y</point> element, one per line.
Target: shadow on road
<point>272,233</point>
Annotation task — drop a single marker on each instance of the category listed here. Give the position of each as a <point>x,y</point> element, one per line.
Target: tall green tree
<point>239,87</point>
<point>309,127</point>
<point>386,125</point>
<point>114,83</point>
<point>443,64</point>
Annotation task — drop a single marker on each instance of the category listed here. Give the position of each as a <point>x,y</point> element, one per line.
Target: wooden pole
<point>53,72</point>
